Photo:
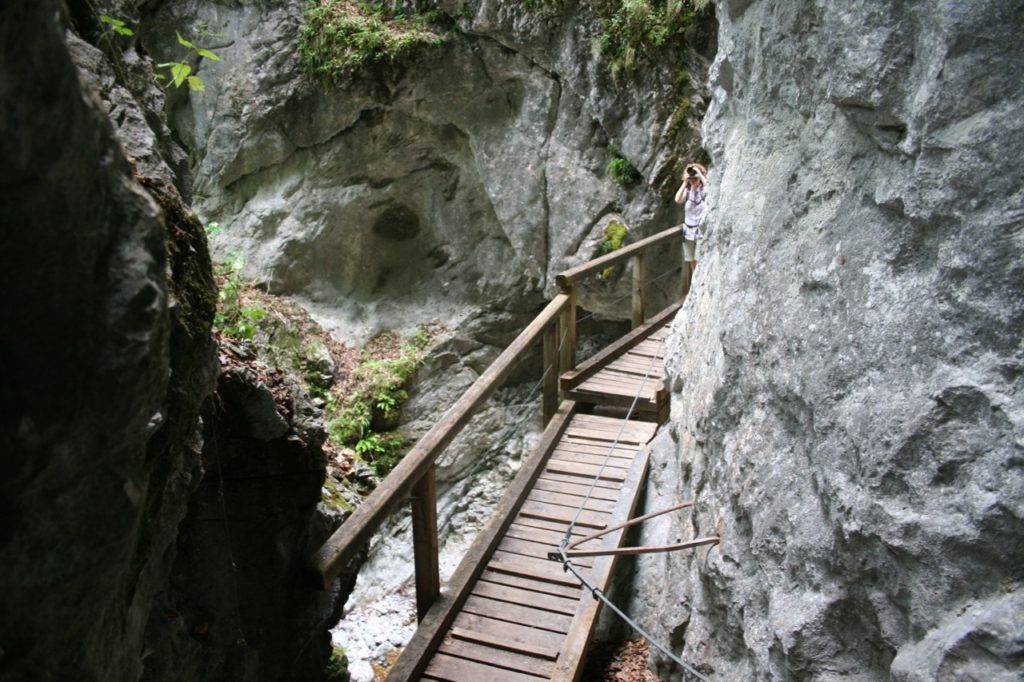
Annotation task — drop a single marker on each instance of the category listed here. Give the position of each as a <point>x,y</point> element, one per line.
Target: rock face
<point>240,604</point>
<point>461,181</point>
<point>847,403</point>
<point>107,340</point>
<point>116,495</point>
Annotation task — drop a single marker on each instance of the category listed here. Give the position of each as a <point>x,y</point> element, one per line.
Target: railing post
<point>424,542</point>
<point>639,282</point>
<point>551,371</point>
<point>567,362</point>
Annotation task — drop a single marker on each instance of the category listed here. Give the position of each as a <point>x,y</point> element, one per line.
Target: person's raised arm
<point>681,192</point>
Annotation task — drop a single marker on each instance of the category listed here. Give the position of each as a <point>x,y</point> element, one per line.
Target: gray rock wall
<point>847,376</point>
<point>108,300</point>
<point>240,602</point>
<point>460,181</point>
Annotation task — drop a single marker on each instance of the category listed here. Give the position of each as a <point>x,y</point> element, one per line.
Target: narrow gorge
<point>255,249</point>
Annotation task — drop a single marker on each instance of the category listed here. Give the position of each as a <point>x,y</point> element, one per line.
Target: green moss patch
<point>636,31</point>
<point>339,36</point>
<point>621,170</point>
<point>615,234</point>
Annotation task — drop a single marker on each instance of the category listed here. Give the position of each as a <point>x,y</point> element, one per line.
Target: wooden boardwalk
<point>511,613</point>
<point>630,369</point>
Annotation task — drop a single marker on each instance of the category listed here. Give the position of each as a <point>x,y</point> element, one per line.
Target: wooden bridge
<point>509,612</point>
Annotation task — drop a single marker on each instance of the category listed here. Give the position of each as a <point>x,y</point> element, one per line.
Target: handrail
<point>415,475</point>
<point>349,538</point>
<point>566,279</point>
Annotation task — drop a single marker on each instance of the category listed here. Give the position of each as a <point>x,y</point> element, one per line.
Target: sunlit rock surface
<point>453,185</point>
<point>846,378</point>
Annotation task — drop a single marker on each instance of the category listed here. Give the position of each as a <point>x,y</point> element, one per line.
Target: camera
<point>691,171</point>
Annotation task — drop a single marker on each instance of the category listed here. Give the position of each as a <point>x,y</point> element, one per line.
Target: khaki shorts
<point>689,249</point>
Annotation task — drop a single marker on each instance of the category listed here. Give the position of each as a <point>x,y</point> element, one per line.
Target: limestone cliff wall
<point>109,301</point>
<point>847,376</point>
<point>458,181</point>
<point>146,532</point>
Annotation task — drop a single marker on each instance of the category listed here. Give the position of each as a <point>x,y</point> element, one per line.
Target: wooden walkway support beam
<point>424,541</point>
<point>639,288</point>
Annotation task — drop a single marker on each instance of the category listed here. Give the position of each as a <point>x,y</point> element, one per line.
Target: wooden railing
<point>415,478</point>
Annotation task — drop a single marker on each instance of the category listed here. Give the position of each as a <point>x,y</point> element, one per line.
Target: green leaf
<point>184,42</point>
<point>180,72</point>
<point>196,84</point>
<point>117,25</point>
<point>209,55</point>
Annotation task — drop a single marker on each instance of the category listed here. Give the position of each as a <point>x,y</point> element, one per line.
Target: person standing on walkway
<point>692,194</point>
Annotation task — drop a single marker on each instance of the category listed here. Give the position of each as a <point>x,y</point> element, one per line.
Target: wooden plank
<point>567,278</point>
<point>536,550</point>
<point>646,354</point>
<point>589,446</point>
<point>632,378</point>
<point>611,486</point>
<point>556,486</point>
<point>569,665</point>
<point>587,470</point>
<point>542,524</point>
<point>614,425</point>
<point>424,542</point>
<point>638,361</point>
<point>543,540</point>
<point>532,584</point>
<point>597,421</point>
<point>539,569</point>
<point>552,526</point>
<point>431,630</point>
<point>595,460</point>
<point>570,500</point>
<point>592,446</point>
<point>497,658</point>
<point>618,386</point>
<point>649,349</point>
<point>607,437</point>
<point>508,636</point>
<point>554,512</point>
<point>614,390</point>
<point>546,536</point>
<point>346,542</point>
<point>623,382</point>
<point>516,595</point>
<point>626,432</point>
<point>586,395</point>
<point>655,370</point>
<point>572,378</point>
<point>452,669</point>
<point>523,614</point>
<point>642,390</point>
<point>625,452</point>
